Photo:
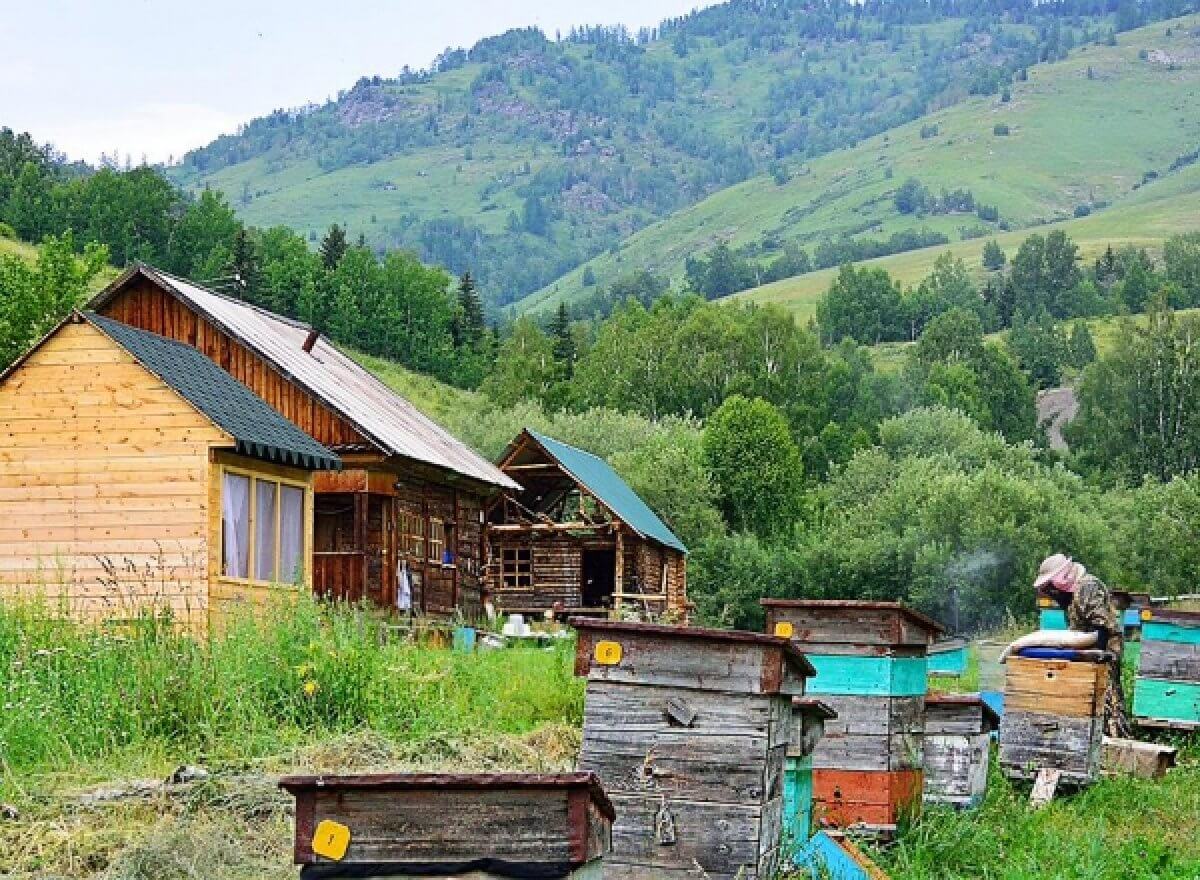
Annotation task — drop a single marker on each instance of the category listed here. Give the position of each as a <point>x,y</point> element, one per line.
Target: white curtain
<point>264,530</point>
<point>291,535</point>
<point>235,524</point>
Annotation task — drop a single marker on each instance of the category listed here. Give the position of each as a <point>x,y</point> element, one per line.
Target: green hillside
<point>524,156</point>
<point>1086,131</point>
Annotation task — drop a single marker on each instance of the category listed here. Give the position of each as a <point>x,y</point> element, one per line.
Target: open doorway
<point>599,577</point>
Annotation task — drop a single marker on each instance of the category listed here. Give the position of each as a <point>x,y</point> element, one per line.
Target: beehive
<point>688,731</point>
<point>871,665</point>
<point>1050,615</point>
<point>948,657</point>
<point>809,716</point>
<point>958,729</point>
<point>1053,719</point>
<point>433,825</point>
<point>1167,690</point>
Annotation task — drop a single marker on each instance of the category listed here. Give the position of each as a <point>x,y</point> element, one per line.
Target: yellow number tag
<point>784,629</point>
<point>1147,615</point>
<point>331,839</point>
<point>608,653</point>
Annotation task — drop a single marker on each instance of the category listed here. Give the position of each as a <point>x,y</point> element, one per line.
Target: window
<point>262,529</point>
<point>412,534</point>
<point>437,540</point>
<point>516,568</point>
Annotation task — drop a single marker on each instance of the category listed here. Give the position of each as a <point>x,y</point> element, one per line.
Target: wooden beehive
<point>688,730</point>
<point>1167,690</point>
<point>948,657</point>
<point>871,665</point>
<point>809,717</point>
<point>958,730</point>
<point>432,825</point>
<point>1053,719</point>
<point>1050,615</point>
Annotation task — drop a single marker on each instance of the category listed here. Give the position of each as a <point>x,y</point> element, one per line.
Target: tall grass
<point>71,693</point>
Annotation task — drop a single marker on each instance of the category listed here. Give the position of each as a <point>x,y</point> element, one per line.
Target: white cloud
<point>155,130</point>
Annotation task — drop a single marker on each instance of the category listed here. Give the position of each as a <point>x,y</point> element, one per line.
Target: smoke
<point>976,586</point>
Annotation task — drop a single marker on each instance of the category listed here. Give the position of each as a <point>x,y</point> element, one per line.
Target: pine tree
<point>469,324</point>
<point>244,265</point>
<point>333,247</point>
<point>1081,347</point>
<point>993,256</point>
<point>564,341</point>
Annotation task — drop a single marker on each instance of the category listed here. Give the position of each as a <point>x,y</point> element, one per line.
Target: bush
<point>6,231</point>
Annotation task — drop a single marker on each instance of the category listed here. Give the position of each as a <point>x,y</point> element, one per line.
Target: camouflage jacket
<point>1091,609</point>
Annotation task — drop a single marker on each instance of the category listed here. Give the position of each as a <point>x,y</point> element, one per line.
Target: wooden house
<point>1053,719</point>
<point>958,733</point>
<point>451,825</point>
<point>405,514</point>
<point>1167,690</point>
<point>870,660</point>
<point>138,476</point>
<point>688,730</point>
<point>574,534</point>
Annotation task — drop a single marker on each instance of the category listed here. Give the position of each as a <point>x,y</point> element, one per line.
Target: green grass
<point>1074,140</point>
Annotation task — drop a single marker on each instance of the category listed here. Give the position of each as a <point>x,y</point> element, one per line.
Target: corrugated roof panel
<point>259,430</point>
<point>601,480</point>
<point>386,418</point>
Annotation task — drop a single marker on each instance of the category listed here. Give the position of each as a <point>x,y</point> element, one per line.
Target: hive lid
<point>1167,615</point>
<point>452,781</point>
<point>813,706</point>
<point>855,605</point>
<point>971,700</point>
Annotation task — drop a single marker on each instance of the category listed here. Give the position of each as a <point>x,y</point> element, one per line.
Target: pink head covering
<point>1060,571</point>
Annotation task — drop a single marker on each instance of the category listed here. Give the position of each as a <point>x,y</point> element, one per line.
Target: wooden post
<point>360,543</point>
<point>619,568</point>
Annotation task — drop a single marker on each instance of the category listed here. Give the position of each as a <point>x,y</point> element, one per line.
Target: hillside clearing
<point>1084,131</point>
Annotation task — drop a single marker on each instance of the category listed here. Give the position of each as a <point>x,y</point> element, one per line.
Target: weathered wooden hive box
<point>439,825</point>
<point>958,730</point>
<point>948,657</point>
<point>809,717</point>
<point>1053,719</point>
<point>871,663</point>
<point>688,730</point>
<point>1167,690</point>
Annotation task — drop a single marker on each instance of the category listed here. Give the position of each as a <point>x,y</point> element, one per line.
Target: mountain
<point>1110,133</point>
<point>523,156</point>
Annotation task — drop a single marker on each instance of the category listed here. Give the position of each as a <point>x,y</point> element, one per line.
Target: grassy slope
<point>1074,140</point>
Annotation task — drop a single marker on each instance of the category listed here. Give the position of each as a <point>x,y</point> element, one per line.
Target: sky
<point>155,78</point>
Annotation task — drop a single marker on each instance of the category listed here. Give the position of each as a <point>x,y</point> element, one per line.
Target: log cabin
<point>138,477</point>
<point>401,523</point>
<point>577,537</point>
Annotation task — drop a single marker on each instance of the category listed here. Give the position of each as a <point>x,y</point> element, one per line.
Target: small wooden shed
<point>1167,690</point>
<point>958,733</point>
<point>139,477</point>
<point>435,825</point>
<point>871,667</point>
<point>577,537</point>
<point>688,730</point>
<point>1053,719</point>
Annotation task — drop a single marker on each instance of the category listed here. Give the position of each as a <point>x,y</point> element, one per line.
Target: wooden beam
<point>517,528</point>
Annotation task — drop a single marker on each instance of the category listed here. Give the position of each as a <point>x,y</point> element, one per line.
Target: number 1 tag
<point>331,840</point>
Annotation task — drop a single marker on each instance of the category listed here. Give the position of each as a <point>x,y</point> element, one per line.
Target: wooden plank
<point>875,716</point>
<point>897,751</point>
<point>956,768</point>
<point>1030,741</point>
<point>1144,760</point>
<point>1167,700</point>
<point>851,797</point>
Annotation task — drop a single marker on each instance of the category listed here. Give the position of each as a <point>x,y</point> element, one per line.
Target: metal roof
<point>385,418</point>
<point>257,428</point>
<point>595,475</point>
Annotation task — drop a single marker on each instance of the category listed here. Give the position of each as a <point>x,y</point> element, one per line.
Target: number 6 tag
<point>608,653</point>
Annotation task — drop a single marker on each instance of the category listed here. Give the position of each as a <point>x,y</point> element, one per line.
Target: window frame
<point>521,568</point>
<point>252,522</point>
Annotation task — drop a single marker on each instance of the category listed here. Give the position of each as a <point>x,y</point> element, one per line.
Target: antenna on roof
<point>230,285</point>
<point>310,340</point>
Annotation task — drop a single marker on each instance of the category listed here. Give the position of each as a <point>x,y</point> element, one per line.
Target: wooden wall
<point>647,561</point>
<point>147,306</point>
<point>101,464</point>
<point>229,597</point>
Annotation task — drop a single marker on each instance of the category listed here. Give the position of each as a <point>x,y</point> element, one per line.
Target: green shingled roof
<point>602,481</point>
<point>258,430</point>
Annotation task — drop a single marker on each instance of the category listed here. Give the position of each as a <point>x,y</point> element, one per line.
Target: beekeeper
<point>1089,609</point>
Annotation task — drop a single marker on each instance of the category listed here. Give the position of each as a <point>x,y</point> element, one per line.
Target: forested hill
<point>524,156</point>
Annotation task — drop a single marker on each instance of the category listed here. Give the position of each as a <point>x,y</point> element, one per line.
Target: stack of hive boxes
<point>870,660</point>
<point>958,730</point>
<point>809,717</point>
<point>1053,719</point>
<point>1167,691</point>
<point>688,730</point>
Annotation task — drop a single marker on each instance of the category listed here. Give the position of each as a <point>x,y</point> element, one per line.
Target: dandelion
<point>310,688</point>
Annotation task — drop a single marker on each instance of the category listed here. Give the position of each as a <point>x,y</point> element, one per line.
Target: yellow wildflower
<point>310,688</point>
